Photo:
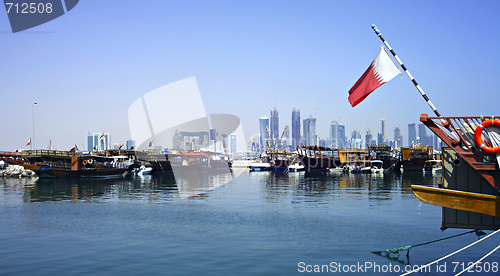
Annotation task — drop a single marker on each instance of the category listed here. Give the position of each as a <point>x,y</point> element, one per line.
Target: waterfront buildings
<point>382,135</point>
<point>422,135</point>
<point>274,125</point>
<point>398,139</point>
<point>187,140</point>
<point>412,134</point>
<point>285,138</point>
<point>290,137</point>
<point>98,141</point>
<point>130,144</point>
<point>337,135</point>
<point>355,142</point>
<point>383,130</point>
<point>369,139</point>
<point>253,144</point>
<point>264,133</point>
<point>295,128</point>
<point>310,131</point>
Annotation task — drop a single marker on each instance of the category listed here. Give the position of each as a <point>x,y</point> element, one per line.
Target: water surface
<point>261,223</point>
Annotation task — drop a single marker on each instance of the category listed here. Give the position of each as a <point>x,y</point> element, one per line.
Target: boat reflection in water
<point>319,188</point>
<point>199,183</point>
<point>153,188</point>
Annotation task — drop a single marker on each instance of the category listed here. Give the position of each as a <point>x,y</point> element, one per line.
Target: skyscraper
<point>264,128</point>
<point>412,134</point>
<point>355,134</point>
<point>337,136</point>
<point>355,142</point>
<point>368,138</point>
<point>310,130</point>
<point>383,131</point>
<point>398,139</point>
<point>98,141</point>
<point>274,125</point>
<point>295,128</point>
<point>422,135</point>
<point>285,137</point>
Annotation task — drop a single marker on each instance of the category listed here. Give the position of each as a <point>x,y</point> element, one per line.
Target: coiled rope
<point>451,254</point>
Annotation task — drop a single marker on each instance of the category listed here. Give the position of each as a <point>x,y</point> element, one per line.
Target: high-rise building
<point>355,134</point>
<point>398,139</point>
<point>130,144</point>
<point>436,143</point>
<point>422,134</point>
<point>190,140</point>
<point>285,137</point>
<point>380,139</point>
<point>264,132</point>
<point>430,140</point>
<point>233,145</point>
<point>337,136</point>
<point>295,128</point>
<point>310,130</point>
<point>98,141</point>
<point>369,138</point>
<point>355,142</point>
<point>322,142</point>
<point>253,144</point>
<point>383,130</point>
<point>412,134</point>
<point>274,125</point>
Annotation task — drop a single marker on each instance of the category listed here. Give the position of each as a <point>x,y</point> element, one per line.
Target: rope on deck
<point>451,254</point>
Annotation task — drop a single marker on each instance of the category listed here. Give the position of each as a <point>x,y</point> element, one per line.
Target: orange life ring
<point>479,141</point>
<point>84,162</point>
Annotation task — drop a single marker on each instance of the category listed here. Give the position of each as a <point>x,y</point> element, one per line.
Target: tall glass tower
<point>274,125</point>
<point>422,134</point>
<point>412,134</point>
<point>264,128</point>
<point>337,136</point>
<point>310,130</point>
<point>295,128</point>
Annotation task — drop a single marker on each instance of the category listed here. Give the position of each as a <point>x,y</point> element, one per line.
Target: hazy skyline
<point>85,68</point>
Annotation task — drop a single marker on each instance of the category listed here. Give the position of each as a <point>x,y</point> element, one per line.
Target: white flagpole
<point>379,34</point>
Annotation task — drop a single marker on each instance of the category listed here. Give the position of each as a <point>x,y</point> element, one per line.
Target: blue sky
<point>86,67</point>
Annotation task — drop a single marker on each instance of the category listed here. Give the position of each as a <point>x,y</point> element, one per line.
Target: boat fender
<point>479,141</point>
<point>457,162</point>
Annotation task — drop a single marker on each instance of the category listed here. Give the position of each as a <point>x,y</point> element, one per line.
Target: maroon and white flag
<point>29,142</point>
<point>380,71</point>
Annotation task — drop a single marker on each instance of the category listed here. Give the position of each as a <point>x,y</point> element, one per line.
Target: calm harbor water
<point>260,223</point>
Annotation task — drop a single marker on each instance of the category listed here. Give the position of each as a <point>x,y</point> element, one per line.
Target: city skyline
<point>339,137</point>
<point>87,67</point>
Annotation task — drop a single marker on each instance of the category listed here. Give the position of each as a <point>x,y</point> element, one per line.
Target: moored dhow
<point>470,168</point>
<point>55,163</point>
<point>280,160</point>
<point>414,158</point>
<point>318,158</point>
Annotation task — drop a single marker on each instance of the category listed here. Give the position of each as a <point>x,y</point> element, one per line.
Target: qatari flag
<point>379,72</point>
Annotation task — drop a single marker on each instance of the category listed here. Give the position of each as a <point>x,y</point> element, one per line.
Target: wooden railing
<point>458,133</point>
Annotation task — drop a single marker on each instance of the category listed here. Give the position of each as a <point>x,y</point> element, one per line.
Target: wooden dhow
<point>55,163</point>
<point>471,175</point>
